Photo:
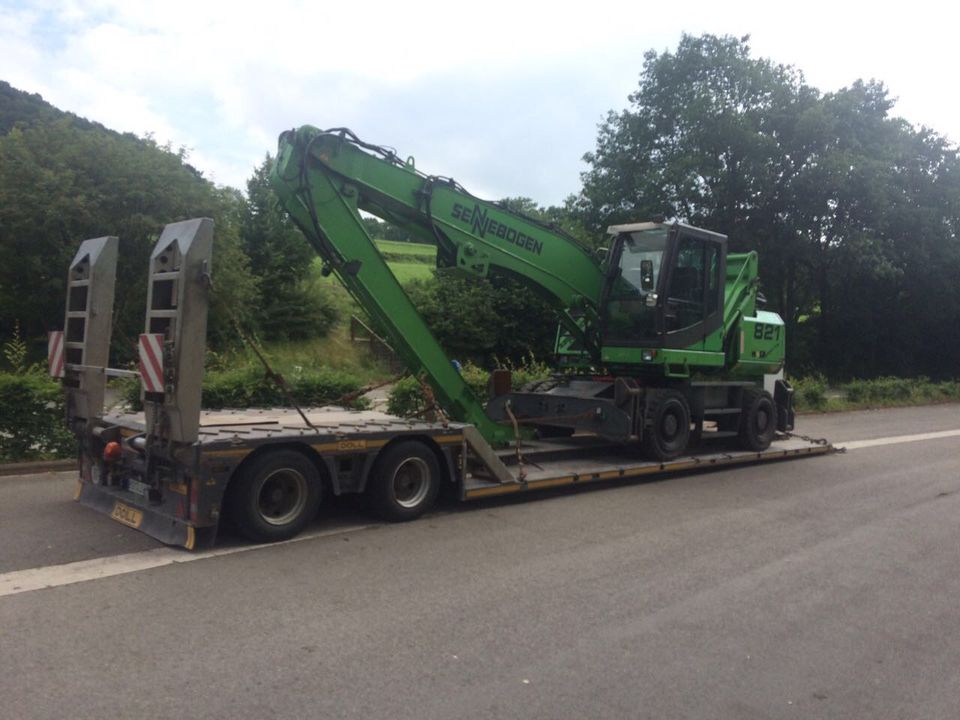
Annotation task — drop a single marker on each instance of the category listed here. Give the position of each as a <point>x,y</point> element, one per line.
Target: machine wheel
<point>667,431</point>
<point>275,496</point>
<point>404,482</point>
<point>758,420</point>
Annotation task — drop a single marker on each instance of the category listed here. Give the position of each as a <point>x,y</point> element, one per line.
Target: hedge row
<point>32,419</point>
<point>811,393</point>
<point>250,387</point>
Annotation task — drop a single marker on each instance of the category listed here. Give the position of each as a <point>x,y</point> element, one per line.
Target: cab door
<point>693,303</point>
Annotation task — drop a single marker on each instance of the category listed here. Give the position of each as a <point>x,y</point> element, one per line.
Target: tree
<point>290,306</point>
<point>484,320</point>
<point>826,187</point>
<point>61,183</point>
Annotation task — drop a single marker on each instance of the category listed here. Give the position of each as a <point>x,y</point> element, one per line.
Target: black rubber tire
<point>275,496</point>
<point>666,432</point>
<point>404,482</point>
<point>758,420</point>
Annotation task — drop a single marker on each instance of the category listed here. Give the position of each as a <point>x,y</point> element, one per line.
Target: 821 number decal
<point>763,331</point>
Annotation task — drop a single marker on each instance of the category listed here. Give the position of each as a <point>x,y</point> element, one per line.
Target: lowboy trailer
<point>175,471</point>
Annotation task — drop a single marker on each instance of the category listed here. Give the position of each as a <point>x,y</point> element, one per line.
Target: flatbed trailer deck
<point>185,508</point>
<point>595,462</point>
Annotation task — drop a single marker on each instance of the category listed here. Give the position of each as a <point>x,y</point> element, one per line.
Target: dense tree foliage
<point>61,183</point>
<point>854,213</point>
<point>293,307</point>
<point>64,179</point>
<point>485,321</point>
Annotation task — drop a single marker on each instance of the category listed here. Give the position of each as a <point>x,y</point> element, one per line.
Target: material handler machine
<point>665,328</point>
<point>663,346</point>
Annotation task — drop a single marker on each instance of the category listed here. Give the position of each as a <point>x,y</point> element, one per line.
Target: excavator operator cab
<point>664,286</point>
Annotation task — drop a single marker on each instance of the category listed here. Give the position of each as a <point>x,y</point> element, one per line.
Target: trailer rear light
<point>112,452</point>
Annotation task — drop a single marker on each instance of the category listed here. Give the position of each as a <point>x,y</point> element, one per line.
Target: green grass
<point>394,247</point>
<point>407,261</point>
<point>336,352</point>
<point>407,272</point>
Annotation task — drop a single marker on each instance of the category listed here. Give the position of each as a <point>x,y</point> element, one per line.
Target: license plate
<point>135,486</point>
<point>127,515</point>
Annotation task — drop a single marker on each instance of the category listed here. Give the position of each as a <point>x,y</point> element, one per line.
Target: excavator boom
<point>325,178</point>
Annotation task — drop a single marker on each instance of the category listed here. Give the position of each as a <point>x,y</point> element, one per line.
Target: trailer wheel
<point>758,420</point>
<point>404,482</point>
<point>275,496</point>
<point>666,433</point>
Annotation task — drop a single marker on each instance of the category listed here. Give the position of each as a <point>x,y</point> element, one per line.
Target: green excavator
<point>661,336</point>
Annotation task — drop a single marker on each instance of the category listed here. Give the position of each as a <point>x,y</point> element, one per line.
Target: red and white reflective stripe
<point>151,362</point>
<point>55,353</point>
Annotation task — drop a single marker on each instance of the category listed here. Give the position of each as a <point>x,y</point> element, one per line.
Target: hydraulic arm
<point>324,179</point>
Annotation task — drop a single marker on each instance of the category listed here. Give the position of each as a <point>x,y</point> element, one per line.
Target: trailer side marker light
<point>112,452</point>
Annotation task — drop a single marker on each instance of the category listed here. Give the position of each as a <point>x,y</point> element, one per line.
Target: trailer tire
<point>666,433</point>
<point>758,420</point>
<point>275,496</point>
<point>404,482</point>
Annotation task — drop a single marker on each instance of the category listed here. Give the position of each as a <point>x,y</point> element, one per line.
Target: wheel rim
<point>282,496</point>
<point>411,483</point>
<point>670,426</point>
<point>763,420</point>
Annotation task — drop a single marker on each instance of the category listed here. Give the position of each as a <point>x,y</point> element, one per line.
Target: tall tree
<point>62,182</point>
<point>290,305</point>
<point>821,185</point>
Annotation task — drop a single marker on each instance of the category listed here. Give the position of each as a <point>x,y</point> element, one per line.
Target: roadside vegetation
<point>814,394</point>
<point>31,408</point>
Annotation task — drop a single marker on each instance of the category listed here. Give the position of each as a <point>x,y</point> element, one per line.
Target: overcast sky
<point>504,96</point>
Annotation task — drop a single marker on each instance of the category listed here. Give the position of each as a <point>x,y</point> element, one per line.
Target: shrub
<point>810,393</point>
<point>32,418</point>
<point>249,387</point>
<point>899,391</point>
<point>406,397</point>
<point>470,316</point>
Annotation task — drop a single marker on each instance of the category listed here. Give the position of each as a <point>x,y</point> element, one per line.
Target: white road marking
<point>21,581</point>
<point>896,440</point>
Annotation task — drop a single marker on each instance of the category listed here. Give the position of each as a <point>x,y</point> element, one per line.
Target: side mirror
<point>646,274</point>
<point>651,299</point>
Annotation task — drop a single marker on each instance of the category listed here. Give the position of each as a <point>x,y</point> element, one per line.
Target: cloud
<point>506,97</point>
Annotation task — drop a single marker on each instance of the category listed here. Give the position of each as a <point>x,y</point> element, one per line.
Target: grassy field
<point>407,272</point>
<point>408,261</point>
<point>419,250</point>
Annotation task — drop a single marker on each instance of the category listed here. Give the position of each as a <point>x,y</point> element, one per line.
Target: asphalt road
<point>825,587</point>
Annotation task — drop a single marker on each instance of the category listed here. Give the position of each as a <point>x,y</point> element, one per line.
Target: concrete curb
<point>39,466</point>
